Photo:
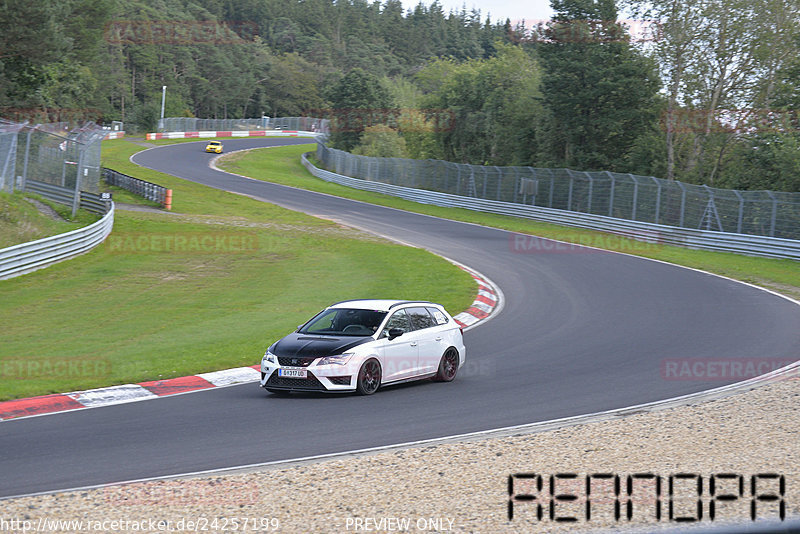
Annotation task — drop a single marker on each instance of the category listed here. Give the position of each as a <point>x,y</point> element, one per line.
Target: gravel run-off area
<point>464,486</point>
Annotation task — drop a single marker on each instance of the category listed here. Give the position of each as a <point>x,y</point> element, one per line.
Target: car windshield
<point>344,322</point>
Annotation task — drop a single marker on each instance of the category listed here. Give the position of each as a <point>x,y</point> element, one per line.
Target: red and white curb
<point>93,398</point>
<point>487,302</point>
<point>230,133</point>
<point>115,135</point>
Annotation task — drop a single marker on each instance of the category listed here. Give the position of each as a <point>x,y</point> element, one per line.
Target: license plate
<point>293,373</point>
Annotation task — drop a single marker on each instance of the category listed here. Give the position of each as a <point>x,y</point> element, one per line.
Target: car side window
<point>399,319</point>
<point>420,318</point>
<point>438,316</point>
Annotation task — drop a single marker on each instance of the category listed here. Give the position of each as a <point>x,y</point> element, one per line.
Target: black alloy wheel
<point>369,377</point>
<point>448,366</point>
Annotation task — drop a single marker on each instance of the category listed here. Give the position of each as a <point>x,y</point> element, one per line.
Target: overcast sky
<point>530,10</point>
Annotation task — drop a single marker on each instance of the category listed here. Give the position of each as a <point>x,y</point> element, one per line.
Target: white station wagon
<point>360,345</point>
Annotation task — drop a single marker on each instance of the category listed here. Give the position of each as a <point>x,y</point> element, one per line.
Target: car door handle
<point>413,343</point>
<point>439,338</point>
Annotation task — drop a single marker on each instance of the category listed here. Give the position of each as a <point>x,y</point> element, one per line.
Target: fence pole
<point>571,184</point>
<point>611,194</point>
<point>76,200</point>
<point>774,214</point>
<point>658,198</point>
<point>591,187</point>
<point>3,174</point>
<point>499,179</point>
<point>9,167</point>
<point>635,196</point>
<point>27,155</point>
<point>552,186</point>
<point>683,203</point>
<point>741,211</point>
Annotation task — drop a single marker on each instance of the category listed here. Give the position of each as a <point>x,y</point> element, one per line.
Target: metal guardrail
<point>611,194</point>
<point>28,257</point>
<point>148,190</point>
<point>648,232</point>
<point>64,195</point>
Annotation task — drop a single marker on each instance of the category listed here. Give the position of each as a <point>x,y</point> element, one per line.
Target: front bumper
<point>319,378</point>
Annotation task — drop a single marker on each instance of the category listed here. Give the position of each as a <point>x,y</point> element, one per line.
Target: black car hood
<point>315,346</point>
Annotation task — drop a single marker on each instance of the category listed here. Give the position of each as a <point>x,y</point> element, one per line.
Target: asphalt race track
<point>581,332</point>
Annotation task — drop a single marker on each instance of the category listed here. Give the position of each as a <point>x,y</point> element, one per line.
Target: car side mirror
<point>395,332</point>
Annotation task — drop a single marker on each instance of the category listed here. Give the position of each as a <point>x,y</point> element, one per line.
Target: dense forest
<point>709,96</point>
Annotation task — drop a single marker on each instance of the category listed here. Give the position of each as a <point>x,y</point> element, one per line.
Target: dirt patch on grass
<point>44,209</point>
<point>337,230</point>
<point>784,289</point>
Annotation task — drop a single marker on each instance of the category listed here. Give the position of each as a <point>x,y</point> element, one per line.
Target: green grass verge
<point>140,308</point>
<point>781,275</point>
<point>21,221</point>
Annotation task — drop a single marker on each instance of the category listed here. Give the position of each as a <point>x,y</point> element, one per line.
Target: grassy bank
<point>781,275</point>
<point>205,287</point>
<point>21,221</point>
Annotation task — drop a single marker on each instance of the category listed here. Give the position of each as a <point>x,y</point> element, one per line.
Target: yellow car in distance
<point>214,146</point>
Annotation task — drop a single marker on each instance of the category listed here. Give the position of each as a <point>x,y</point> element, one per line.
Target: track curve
<point>581,332</point>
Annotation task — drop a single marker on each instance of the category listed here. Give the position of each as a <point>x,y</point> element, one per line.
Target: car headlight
<point>269,358</point>
<point>339,359</point>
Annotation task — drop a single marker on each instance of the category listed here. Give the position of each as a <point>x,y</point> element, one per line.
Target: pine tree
<point>600,93</point>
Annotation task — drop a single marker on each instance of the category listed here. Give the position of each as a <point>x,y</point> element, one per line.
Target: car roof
<point>215,142</point>
<point>378,304</point>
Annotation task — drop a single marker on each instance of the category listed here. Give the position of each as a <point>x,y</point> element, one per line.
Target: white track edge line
<point>510,431</point>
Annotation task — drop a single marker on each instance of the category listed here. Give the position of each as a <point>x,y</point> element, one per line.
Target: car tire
<point>279,392</point>
<point>369,377</point>
<point>448,366</point>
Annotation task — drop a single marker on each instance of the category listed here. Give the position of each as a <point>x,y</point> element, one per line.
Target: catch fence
<point>55,154</point>
<point>623,196</point>
<point>192,124</point>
